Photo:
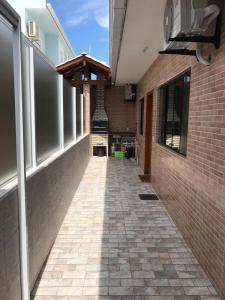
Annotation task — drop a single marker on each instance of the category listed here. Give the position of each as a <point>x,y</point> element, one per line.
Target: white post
<point>74,102</point>
<point>20,164</point>
<point>60,113</point>
<point>82,113</point>
<point>32,107</point>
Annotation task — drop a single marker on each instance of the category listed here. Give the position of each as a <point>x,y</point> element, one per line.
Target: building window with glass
<point>174,108</point>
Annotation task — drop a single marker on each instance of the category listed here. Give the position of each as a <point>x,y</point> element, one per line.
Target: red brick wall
<point>121,114</point>
<point>193,187</point>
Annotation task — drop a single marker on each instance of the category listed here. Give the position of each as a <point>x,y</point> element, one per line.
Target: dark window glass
<point>141,128</point>
<point>174,113</point>
<point>7,105</point>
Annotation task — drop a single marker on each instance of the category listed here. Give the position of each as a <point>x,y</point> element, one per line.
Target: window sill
<point>10,186</point>
<point>171,151</point>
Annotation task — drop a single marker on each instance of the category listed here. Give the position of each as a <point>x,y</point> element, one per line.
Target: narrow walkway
<point>112,245</point>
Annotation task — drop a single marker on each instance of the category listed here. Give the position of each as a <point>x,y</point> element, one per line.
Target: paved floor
<point>114,246</point>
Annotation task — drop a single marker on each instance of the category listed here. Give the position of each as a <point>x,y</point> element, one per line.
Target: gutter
<point>112,37</point>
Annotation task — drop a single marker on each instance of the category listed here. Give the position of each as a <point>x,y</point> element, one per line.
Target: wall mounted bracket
<point>179,52</point>
<point>200,39</point>
<point>215,39</point>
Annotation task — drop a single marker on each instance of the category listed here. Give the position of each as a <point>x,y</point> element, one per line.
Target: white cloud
<point>86,11</point>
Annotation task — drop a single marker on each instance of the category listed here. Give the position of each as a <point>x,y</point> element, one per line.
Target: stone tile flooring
<point>114,246</point>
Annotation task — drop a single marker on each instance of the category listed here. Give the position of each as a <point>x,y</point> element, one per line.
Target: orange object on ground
<point>123,148</point>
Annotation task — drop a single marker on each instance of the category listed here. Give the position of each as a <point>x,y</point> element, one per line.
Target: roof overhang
<point>83,66</point>
<point>136,35</point>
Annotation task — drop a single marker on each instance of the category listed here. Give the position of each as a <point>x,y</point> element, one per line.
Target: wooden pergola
<point>78,71</point>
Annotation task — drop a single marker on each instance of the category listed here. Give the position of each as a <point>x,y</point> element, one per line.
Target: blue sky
<point>86,23</point>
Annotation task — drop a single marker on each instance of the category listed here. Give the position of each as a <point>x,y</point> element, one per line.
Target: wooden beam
<point>86,72</point>
<point>91,82</point>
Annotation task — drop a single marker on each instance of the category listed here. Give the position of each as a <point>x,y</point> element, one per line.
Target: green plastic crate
<point>119,154</point>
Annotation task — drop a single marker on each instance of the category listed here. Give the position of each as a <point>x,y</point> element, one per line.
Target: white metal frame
<point>32,107</point>
<point>82,114</point>
<point>61,111</point>
<point>74,101</point>
<point>8,12</point>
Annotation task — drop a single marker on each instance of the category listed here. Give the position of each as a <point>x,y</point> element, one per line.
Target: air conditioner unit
<point>130,92</point>
<point>33,31</point>
<point>187,18</point>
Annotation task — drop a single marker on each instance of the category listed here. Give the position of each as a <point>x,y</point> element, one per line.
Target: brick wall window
<point>174,108</point>
<point>141,118</point>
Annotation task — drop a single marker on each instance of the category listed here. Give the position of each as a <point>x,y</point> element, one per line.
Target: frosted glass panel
<point>78,112</point>
<point>7,105</point>
<point>68,112</point>
<point>26,103</point>
<point>46,108</point>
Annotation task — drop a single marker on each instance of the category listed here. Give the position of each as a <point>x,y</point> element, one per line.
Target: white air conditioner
<point>33,31</point>
<point>186,18</point>
<point>130,92</point>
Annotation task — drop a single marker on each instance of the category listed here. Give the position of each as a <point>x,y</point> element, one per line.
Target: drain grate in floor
<point>148,197</point>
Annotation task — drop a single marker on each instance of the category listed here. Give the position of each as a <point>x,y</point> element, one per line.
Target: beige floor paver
<point>112,245</point>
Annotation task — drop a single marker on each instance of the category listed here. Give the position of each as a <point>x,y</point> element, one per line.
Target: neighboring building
<point>50,36</point>
<point>180,108</point>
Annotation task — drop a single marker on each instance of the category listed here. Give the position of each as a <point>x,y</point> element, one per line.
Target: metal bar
<point>74,100</point>
<point>179,52</point>
<point>194,39</point>
<point>218,30</point>
<point>60,111</point>
<point>32,106</point>
<point>20,163</point>
<point>82,113</point>
<point>78,83</point>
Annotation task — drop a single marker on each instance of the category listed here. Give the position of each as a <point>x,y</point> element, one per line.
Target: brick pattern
<point>112,245</point>
<point>121,114</point>
<point>99,139</point>
<point>100,114</point>
<point>193,188</point>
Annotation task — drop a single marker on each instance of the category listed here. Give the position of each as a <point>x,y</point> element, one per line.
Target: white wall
<point>51,47</point>
<point>51,39</point>
<point>20,5</point>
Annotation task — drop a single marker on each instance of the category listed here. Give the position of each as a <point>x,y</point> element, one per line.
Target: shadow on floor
<point>112,245</point>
